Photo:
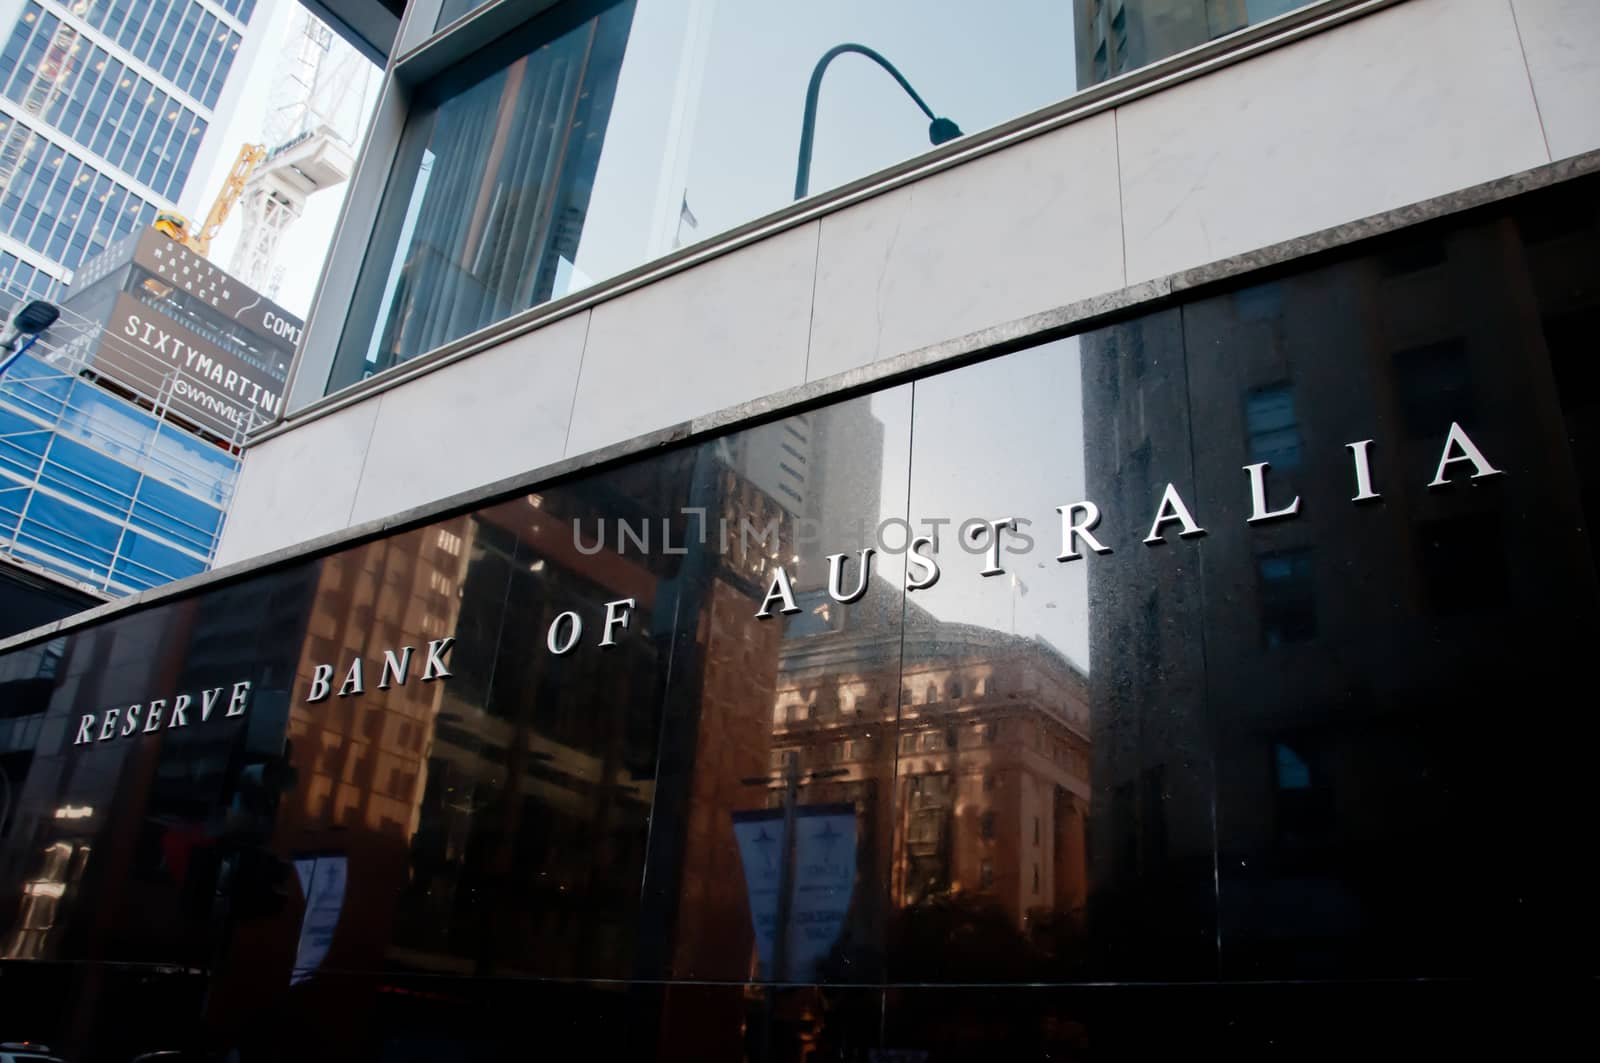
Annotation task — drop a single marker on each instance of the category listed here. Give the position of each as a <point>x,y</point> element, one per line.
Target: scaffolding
<point>114,488</point>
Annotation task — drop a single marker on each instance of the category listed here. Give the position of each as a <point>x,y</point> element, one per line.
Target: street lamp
<point>30,321</point>
<point>939,129</point>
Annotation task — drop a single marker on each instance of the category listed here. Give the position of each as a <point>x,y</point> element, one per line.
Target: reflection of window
<point>1434,387</point>
<point>988,783</point>
<point>1288,598</point>
<point>905,696</point>
<point>1274,432</point>
<point>981,687</point>
<point>955,689</point>
<point>986,826</point>
<point>1036,830</point>
<point>926,828</point>
<point>986,875</point>
<point>1303,797</point>
<point>908,743</point>
<point>932,693</point>
<point>1036,878</point>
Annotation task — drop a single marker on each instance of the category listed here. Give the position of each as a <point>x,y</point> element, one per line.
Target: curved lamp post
<point>939,129</point>
<point>30,321</point>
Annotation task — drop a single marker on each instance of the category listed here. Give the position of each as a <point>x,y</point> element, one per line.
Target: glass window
<point>585,144</point>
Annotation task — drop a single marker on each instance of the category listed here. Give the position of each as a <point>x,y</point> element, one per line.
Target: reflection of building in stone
<point>1151,831</point>
<point>531,837</point>
<point>990,761</point>
<point>818,475</point>
<point>1323,670</point>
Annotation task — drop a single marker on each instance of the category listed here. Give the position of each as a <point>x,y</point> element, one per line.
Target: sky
<point>307,241</point>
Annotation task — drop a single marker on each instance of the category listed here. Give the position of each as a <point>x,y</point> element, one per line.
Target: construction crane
<point>178,227</point>
<point>315,114</point>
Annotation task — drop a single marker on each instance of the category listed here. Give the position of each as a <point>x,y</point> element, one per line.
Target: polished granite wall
<point>1313,782</point>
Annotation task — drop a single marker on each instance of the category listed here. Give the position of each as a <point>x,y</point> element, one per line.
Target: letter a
<point>780,590</point>
<point>1172,508</point>
<point>1458,440</point>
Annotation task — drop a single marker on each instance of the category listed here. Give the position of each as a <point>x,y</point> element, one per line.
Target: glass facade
<point>23,281</point>
<point>104,105</point>
<point>52,63</point>
<point>57,203</point>
<point>600,136</point>
<point>1158,717</point>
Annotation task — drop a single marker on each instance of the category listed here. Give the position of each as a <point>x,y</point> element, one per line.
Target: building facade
<point>121,429</point>
<point>1066,594</point>
<point>112,111</point>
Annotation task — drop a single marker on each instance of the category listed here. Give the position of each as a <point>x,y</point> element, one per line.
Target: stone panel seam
<point>577,381</point>
<point>811,315</point>
<point>366,453</point>
<point>1122,216</point>
<point>1533,91</point>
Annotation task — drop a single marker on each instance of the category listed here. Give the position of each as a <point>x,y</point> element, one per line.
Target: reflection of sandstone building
<point>990,760</point>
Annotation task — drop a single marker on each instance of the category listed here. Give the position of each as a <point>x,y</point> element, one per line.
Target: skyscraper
<point>110,112</point>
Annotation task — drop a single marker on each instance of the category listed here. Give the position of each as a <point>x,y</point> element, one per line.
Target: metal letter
<point>436,650</point>
<point>555,626</point>
<point>152,718</point>
<point>354,681</point>
<point>240,695</point>
<point>616,616</point>
<point>108,727</point>
<point>395,668</point>
<point>836,577</point>
<point>321,683</point>
<point>1172,508</point>
<point>782,590</point>
<point>1072,531</point>
<point>992,566</point>
<point>1363,459</point>
<point>208,701</point>
<point>928,563</point>
<point>180,704</point>
<point>130,722</point>
<point>85,726</point>
<point>1469,452</point>
<point>1258,497</point>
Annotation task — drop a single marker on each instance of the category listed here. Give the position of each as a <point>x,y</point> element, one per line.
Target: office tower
<point>111,111</point>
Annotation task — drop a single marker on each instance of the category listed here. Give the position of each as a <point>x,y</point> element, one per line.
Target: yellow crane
<point>176,226</point>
